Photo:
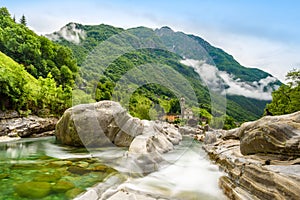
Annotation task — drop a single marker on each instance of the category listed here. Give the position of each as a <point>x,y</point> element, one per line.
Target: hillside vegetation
<point>37,75</point>
<point>142,45</point>
<point>21,91</point>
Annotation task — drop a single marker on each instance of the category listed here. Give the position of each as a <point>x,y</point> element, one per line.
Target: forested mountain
<point>148,69</point>
<point>141,45</point>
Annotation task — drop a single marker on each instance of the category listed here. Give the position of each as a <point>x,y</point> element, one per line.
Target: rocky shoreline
<point>260,158</point>
<point>13,126</point>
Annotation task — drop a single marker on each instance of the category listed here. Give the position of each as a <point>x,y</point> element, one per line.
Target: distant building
<point>170,118</point>
<point>188,114</point>
<point>182,106</point>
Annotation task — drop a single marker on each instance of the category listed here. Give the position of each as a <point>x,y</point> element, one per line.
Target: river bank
<point>14,126</point>
<point>261,158</point>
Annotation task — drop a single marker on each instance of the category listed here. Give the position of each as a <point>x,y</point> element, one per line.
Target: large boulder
<point>96,125</point>
<point>106,123</point>
<point>278,135</point>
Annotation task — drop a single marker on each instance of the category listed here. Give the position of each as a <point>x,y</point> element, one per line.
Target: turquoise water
<point>42,169</point>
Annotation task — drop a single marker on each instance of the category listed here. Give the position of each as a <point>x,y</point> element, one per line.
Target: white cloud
<point>274,57</point>
<point>256,90</point>
<point>211,76</point>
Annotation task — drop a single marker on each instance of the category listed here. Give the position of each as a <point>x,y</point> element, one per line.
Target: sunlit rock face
<point>261,158</point>
<point>279,135</point>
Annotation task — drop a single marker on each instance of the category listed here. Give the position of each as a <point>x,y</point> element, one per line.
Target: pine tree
<point>14,18</point>
<point>23,20</point>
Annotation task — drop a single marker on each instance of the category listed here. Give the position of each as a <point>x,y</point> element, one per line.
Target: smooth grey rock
<point>272,135</point>
<point>271,169</point>
<point>231,134</point>
<point>10,114</point>
<point>210,137</point>
<point>187,130</point>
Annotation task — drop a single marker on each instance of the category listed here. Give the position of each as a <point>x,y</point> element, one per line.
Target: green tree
<point>174,106</point>
<point>285,99</point>
<point>66,76</point>
<point>23,20</point>
<point>4,12</point>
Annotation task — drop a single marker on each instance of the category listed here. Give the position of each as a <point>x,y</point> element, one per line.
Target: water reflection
<point>22,149</point>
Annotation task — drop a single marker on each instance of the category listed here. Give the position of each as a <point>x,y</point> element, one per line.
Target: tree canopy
<point>286,98</point>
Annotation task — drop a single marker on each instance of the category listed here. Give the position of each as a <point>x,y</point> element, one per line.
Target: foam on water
<point>191,176</point>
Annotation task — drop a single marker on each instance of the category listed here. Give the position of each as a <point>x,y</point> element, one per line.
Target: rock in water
<point>62,186</point>
<point>106,123</point>
<point>272,135</point>
<point>33,190</point>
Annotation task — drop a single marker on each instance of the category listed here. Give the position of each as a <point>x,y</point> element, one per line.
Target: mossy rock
<point>33,190</point>
<point>71,194</point>
<point>111,171</point>
<point>83,164</point>
<point>47,178</point>
<point>62,186</point>
<point>78,170</point>
<point>101,168</point>
<point>60,163</point>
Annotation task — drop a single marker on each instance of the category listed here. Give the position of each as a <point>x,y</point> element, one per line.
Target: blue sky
<point>258,33</point>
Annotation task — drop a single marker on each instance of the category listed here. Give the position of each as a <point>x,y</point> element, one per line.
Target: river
<point>186,173</point>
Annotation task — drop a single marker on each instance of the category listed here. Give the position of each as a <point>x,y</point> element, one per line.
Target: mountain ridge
<point>183,46</point>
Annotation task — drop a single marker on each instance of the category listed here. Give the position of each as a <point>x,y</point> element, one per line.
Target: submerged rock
<point>272,135</point>
<point>60,163</point>
<point>71,194</point>
<point>47,177</point>
<point>62,186</point>
<point>78,170</point>
<point>4,176</point>
<point>33,190</point>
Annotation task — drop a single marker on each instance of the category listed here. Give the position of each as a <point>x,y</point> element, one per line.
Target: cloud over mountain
<point>228,84</point>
